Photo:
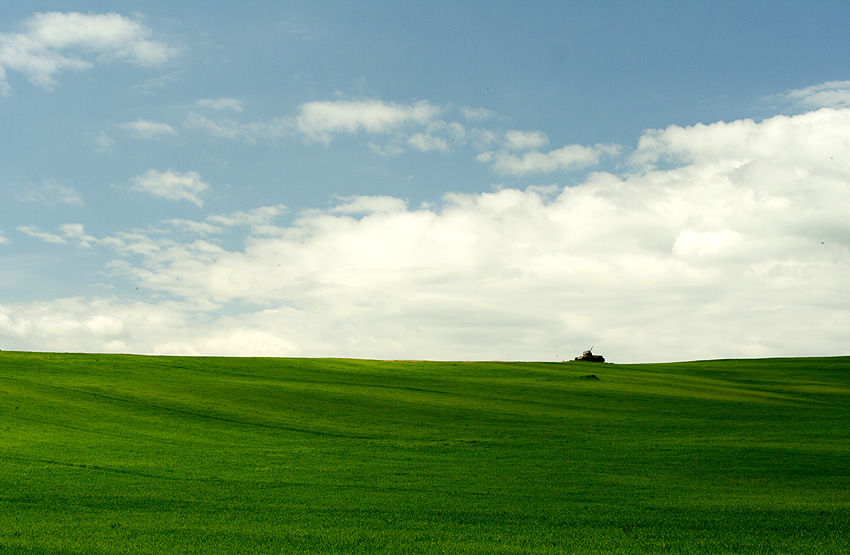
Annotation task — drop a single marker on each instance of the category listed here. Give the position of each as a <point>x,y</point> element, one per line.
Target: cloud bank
<point>730,238</point>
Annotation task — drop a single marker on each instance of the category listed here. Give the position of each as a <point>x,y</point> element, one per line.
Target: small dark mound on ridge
<point>590,377</point>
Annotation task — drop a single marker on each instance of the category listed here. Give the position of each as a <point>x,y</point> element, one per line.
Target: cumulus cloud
<point>392,128</point>
<point>85,324</point>
<point>320,121</point>
<point>171,184</point>
<point>739,246</point>
<point>570,157</point>
<point>428,143</point>
<point>53,42</point>
<point>146,129</point>
<point>438,136</point>
<point>818,137</point>
<point>522,140</point>
<point>3,239</point>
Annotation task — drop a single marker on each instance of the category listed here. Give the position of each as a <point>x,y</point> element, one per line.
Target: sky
<point>426,180</point>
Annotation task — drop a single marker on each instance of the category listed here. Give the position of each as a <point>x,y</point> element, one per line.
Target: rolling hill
<point>110,454</point>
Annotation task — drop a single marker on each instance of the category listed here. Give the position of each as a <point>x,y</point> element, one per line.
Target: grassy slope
<point>108,454</point>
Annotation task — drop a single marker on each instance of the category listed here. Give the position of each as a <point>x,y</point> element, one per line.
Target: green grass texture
<point>120,454</point>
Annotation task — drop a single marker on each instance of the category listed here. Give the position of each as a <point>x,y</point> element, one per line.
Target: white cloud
<point>392,128</point>
<point>3,239</point>
<point>221,129</point>
<point>477,114</point>
<point>54,42</point>
<point>369,205</point>
<point>570,157</point>
<point>101,142</point>
<point>818,137</point>
<point>319,121</point>
<point>705,244</point>
<point>146,129</point>
<point>38,233</point>
<point>76,233</point>
<point>193,227</point>
<point>100,324</point>
<point>70,234</point>
<point>50,192</point>
<point>259,219</point>
<point>724,253</point>
<point>525,140</point>
<point>171,184</point>
<point>481,139</point>
<point>227,128</point>
<point>428,143</point>
<point>832,94</point>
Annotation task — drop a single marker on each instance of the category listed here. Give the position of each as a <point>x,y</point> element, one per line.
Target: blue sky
<point>663,180</point>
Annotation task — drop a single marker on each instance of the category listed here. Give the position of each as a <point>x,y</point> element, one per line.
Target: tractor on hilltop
<point>590,357</point>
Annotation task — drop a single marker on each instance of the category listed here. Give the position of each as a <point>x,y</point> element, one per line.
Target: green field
<point>111,454</point>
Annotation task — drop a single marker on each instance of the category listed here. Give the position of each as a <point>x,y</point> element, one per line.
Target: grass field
<point>112,454</point>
